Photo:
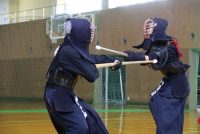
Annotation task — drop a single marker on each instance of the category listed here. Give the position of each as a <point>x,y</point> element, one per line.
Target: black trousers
<point>167,111</point>
<point>70,114</point>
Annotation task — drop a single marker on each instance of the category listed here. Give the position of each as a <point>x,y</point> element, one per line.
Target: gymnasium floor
<point>128,120</point>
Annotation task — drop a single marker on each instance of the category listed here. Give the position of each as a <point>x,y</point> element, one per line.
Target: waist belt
<point>61,79</point>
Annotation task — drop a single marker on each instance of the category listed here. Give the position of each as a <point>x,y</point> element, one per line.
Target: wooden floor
<point>117,122</point>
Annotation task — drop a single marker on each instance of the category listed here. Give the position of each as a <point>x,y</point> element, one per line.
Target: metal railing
<point>29,15</point>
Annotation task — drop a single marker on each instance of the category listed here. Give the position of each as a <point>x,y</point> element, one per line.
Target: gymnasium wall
<point>26,51</point>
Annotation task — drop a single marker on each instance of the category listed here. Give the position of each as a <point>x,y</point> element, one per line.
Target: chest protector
<point>161,51</point>
<point>58,76</point>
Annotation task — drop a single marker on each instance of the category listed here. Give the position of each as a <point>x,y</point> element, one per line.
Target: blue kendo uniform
<point>70,114</point>
<point>168,100</point>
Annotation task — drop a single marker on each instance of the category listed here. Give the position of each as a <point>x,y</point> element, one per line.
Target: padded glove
<point>117,66</point>
<point>134,56</point>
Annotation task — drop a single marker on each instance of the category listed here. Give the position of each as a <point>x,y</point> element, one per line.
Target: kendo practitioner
<point>168,100</point>
<point>72,60</point>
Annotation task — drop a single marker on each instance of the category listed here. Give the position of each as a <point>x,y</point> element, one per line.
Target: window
<point>80,6</point>
<point>117,3</point>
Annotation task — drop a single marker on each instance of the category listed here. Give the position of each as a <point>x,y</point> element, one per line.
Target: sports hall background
<point>26,52</point>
